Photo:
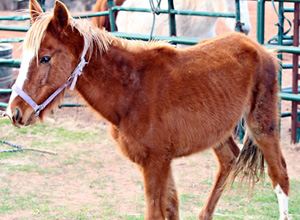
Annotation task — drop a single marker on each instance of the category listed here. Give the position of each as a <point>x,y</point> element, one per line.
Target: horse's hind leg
<point>262,123</point>
<point>226,154</point>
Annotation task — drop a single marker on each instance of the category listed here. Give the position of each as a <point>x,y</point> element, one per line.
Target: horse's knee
<point>172,211</point>
<point>173,205</point>
<point>173,201</point>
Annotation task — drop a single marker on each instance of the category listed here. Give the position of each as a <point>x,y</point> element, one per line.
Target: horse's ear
<point>60,16</point>
<point>35,10</point>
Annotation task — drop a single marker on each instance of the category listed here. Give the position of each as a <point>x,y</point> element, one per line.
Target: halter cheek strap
<point>71,81</point>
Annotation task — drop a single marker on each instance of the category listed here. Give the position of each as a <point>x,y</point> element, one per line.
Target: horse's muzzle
<point>19,118</point>
<point>245,31</point>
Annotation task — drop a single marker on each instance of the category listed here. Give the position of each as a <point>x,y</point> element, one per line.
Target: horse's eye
<point>45,59</point>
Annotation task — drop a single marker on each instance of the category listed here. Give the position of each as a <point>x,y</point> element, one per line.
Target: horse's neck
<point>107,83</point>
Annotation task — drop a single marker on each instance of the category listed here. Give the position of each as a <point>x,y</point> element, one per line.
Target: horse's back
<point>233,55</point>
<point>232,59</point>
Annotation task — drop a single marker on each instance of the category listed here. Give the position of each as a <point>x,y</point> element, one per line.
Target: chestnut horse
<point>162,102</point>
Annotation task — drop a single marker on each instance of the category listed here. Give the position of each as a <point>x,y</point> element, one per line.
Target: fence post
<point>172,22</point>
<point>295,80</point>
<point>260,30</point>
<point>238,26</point>
<point>110,5</point>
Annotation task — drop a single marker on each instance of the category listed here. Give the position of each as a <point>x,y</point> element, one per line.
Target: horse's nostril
<point>17,114</point>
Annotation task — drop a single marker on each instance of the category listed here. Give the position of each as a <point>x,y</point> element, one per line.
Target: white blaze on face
<point>283,201</point>
<point>27,57</point>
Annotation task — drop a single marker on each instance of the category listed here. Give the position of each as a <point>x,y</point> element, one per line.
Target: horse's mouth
<point>23,123</point>
<point>30,119</point>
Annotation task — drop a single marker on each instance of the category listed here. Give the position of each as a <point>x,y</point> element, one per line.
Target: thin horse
<point>162,102</point>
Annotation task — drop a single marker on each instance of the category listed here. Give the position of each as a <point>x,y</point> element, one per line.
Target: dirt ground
<point>82,119</point>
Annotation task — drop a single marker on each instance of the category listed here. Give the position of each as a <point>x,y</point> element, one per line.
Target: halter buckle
<point>39,109</point>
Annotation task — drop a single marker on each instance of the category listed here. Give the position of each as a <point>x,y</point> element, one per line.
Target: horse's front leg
<point>156,173</point>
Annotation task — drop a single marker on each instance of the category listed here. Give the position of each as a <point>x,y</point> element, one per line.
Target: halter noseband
<point>71,81</point>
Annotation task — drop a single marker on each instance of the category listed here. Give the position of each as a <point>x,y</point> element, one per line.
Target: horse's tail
<point>249,165</point>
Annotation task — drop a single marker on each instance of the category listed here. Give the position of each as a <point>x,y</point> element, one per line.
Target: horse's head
<point>51,51</point>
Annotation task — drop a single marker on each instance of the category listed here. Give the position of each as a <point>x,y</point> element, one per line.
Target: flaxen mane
<point>95,37</point>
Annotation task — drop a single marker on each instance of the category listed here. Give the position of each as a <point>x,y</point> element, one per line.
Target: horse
<point>162,102</point>
<point>189,26</point>
<point>103,21</point>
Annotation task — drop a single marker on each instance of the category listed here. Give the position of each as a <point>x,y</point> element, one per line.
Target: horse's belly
<point>197,131</point>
